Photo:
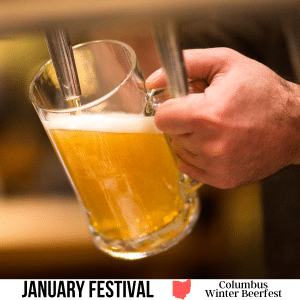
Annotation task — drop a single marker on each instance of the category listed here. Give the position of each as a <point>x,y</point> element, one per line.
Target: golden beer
<point>119,164</point>
<point>127,179</point>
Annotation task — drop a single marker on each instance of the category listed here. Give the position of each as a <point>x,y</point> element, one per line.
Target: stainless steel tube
<point>171,57</point>
<point>61,52</point>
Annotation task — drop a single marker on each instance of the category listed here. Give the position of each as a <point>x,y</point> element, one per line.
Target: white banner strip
<point>150,289</point>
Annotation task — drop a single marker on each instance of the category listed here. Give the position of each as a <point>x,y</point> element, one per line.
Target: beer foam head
<point>120,123</point>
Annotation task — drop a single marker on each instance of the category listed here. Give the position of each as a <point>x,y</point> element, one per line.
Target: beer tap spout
<point>61,53</point>
<point>171,57</point>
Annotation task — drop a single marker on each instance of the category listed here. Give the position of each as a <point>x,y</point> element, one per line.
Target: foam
<point>121,123</point>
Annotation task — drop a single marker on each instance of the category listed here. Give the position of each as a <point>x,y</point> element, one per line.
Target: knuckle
<point>218,150</point>
<point>228,53</point>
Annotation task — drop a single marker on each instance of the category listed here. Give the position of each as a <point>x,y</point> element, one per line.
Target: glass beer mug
<point>118,162</point>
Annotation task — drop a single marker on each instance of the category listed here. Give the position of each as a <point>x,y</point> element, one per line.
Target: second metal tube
<point>171,58</point>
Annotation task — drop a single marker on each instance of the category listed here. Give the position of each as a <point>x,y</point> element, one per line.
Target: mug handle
<point>154,98</point>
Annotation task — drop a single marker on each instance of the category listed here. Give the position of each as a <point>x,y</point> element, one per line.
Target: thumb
<point>200,64</point>
<point>206,63</point>
<point>156,79</point>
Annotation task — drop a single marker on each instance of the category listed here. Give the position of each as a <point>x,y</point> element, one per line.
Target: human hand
<point>239,124</point>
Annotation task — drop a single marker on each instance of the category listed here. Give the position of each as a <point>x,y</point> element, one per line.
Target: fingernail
<point>152,78</point>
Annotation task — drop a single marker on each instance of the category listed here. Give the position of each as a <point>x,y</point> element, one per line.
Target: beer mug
<point>119,164</point>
